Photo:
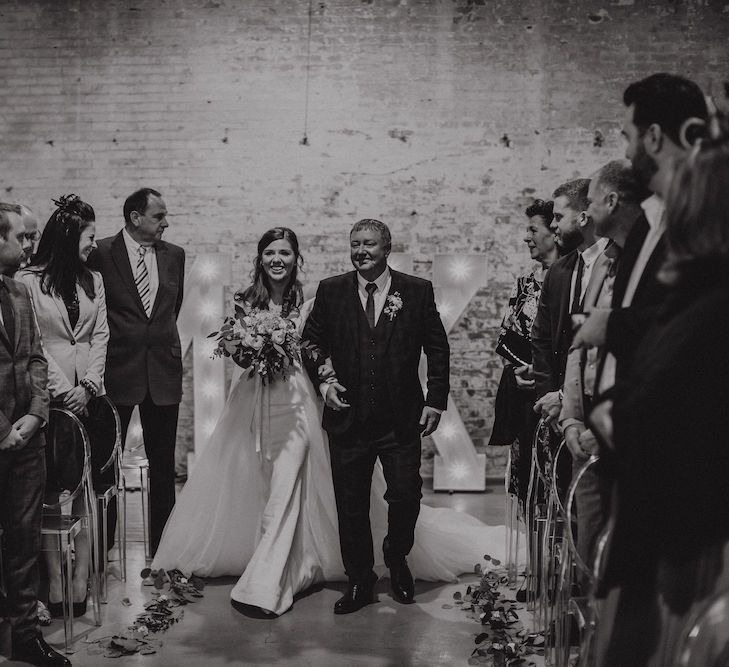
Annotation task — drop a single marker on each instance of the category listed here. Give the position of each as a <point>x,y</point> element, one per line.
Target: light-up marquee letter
<point>456,279</point>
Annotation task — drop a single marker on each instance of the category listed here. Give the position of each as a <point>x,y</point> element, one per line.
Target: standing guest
<point>664,116</point>
<point>23,410</point>
<point>515,420</point>
<point>70,308</point>
<point>30,224</point>
<point>614,199</point>
<point>562,293</point>
<point>670,545</point>
<point>144,278</point>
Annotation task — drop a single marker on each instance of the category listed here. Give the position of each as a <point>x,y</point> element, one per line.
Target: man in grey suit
<point>144,279</point>
<point>23,410</point>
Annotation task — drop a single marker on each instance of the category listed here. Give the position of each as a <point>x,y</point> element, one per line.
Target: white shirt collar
<point>654,208</point>
<point>589,255</point>
<point>380,281</point>
<point>132,245</point>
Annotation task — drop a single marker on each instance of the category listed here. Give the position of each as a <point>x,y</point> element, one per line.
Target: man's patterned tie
<point>142,281</point>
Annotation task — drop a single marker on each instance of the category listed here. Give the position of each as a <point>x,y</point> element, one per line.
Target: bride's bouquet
<point>262,341</point>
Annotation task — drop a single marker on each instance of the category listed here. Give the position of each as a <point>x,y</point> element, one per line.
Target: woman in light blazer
<point>70,308</point>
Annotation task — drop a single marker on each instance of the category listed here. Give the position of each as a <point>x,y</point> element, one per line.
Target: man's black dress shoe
<point>37,652</point>
<point>358,595</point>
<point>402,584</point>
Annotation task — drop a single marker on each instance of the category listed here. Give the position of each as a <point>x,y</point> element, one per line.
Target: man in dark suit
<point>562,293</point>
<point>664,116</point>
<point>23,410</point>
<point>144,279</point>
<point>373,323</point>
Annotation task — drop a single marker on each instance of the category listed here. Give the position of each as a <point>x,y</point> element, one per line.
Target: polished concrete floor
<point>212,632</point>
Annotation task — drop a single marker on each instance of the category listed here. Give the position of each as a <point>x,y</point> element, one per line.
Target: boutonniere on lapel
<point>393,305</point>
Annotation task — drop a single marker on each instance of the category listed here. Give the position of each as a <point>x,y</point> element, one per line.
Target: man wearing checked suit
<point>144,278</point>
<point>373,323</point>
<point>23,410</point>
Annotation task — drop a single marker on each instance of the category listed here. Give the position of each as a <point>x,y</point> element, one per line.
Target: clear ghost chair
<point>69,463</point>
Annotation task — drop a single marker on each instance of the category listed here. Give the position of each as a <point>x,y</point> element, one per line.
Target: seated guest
<point>669,424</point>
<point>70,309</point>
<point>515,420</point>
<point>23,410</point>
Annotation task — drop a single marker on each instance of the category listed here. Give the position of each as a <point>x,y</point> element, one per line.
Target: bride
<point>260,500</point>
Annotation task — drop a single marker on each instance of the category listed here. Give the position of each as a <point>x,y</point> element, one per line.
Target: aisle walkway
<point>213,634</point>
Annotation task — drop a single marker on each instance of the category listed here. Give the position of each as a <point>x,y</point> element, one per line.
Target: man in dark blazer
<point>664,115</point>
<point>372,324</point>
<point>144,279</point>
<point>562,292</point>
<point>23,410</point>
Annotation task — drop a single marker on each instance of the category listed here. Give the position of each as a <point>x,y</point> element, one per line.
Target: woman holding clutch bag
<point>515,420</point>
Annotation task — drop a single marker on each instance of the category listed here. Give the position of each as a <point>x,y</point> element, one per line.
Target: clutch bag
<point>514,348</point>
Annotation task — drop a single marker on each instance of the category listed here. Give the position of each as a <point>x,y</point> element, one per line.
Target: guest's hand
<point>572,440</point>
<point>333,399</point>
<point>429,420</point>
<point>549,406</point>
<point>589,443</point>
<point>524,376</point>
<point>27,426</point>
<point>12,440</point>
<point>593,331</point>
<point>76,399</point>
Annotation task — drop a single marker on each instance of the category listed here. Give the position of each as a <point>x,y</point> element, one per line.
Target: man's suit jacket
<point>144,353</point>
<point>72,353</point>
<point>552,328</point>
<point>23,368</point>
<point>573,390</point>
<point>332,327</point>
<point>627,326</point>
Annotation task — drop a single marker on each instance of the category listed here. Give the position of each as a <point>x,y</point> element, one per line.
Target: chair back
<point>107,436</point>
<point>569,510</point>
<point>68,456</point>
<point>705,639</point>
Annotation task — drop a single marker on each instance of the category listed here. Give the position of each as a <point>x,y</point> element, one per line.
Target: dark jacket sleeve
<point>437,352</point>
<point>542,342</point>
<point>315,334</point>
<point>37,371</point>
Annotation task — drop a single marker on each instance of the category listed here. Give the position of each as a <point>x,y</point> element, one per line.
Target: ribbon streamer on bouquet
<point>257,418</point>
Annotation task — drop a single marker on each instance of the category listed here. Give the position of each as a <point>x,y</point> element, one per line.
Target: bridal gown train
<point>260,501</point>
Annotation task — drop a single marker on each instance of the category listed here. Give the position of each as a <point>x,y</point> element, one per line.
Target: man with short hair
<point>144,278</point>
<point>373,323</point>
<point>562,293</point>
<point>664,116</point>
<point>30,224</point>
<point>23,410</point>
<point>614,198</point>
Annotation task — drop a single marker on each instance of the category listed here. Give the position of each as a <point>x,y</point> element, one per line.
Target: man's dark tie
<point>370,307</point>
<point>577,296</point>
<point>8,315</point>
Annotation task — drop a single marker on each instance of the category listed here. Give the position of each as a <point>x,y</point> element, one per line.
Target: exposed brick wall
<point>440,117</point>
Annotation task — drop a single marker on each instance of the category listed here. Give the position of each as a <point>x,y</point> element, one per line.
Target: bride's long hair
<point>258,294</point>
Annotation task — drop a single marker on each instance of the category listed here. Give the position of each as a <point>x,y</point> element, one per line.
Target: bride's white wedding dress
<point>260,501</point>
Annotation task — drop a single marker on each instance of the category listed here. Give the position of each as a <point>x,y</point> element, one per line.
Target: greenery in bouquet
<point>263,342</point>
